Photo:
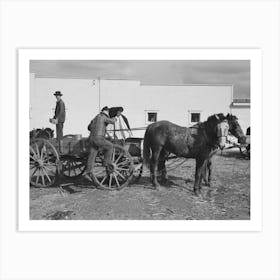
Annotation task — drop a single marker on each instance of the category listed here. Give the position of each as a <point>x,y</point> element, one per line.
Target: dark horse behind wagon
<point>196,142</point>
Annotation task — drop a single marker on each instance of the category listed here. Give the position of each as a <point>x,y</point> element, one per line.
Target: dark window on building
<point>152,117</point>
<point>195,117</point>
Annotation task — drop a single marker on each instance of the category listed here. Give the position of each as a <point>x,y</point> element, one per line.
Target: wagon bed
<point>49,162</point>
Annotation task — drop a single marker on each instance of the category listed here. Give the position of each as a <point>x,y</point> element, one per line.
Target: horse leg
<point>198,175</point>
<point>207,172</point>
<point>161,165</point>
<point>154,166</point>
<point>204,174</point>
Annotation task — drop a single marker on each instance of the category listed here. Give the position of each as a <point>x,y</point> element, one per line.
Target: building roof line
<point>159,85</point>
<point>132,80</point>
<point>81,78</point>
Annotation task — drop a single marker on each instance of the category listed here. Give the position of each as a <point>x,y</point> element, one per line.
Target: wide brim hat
<point>114,110</point>
<point>105,108</point>
<point>57,93</point>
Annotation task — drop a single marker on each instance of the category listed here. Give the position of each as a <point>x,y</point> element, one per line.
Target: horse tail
<point>146,149</point>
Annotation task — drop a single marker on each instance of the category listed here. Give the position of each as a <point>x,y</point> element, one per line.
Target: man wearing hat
<point>59,115</point>
<point>97,128</point>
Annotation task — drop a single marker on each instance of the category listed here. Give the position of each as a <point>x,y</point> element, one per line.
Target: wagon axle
<point>111,168</point>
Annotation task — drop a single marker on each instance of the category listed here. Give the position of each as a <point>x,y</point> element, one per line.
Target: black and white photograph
<point>139,139</point>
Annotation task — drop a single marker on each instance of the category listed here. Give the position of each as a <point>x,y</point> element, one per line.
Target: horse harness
<point>222,129</point>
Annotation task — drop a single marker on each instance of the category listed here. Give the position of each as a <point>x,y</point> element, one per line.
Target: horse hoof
<point>164,180</point>
<point>156,185</point>
<point>208,184</point>
<point>197,192</point>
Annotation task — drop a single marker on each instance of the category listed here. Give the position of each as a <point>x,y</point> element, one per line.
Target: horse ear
<point>217,117</point>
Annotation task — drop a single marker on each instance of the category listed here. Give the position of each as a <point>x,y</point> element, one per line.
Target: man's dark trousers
<point>97,142</point>
<point>59,131</point>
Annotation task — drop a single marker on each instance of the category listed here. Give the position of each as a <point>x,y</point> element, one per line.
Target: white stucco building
<point>142,103</point>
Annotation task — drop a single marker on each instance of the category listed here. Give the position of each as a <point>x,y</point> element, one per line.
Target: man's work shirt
<point>97,126</point>
<point>60,111</point>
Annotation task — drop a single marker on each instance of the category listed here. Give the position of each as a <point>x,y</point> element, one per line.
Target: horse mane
<point>211,119</point>
<point>231,117</point>
<point>220,117</point>
<point>210,124</point>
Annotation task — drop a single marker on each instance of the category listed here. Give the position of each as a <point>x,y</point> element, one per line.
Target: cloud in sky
<point>236,72</point>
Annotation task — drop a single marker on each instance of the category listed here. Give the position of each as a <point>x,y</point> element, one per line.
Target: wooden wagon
<point>48,166</point>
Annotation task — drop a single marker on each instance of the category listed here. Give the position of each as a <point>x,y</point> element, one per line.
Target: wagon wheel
<point>72,167</point>
<point>118,174</point>
<point>44,163</point>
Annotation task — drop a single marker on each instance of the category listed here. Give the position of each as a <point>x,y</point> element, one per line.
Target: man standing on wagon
<point>97,128</point>
<point>59,115</point>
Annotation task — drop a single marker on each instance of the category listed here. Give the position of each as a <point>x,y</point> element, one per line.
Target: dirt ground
<point>227,199</point>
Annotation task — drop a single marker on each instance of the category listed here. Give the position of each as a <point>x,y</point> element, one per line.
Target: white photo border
<point>255,57</point>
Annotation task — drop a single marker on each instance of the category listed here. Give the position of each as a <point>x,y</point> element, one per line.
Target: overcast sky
<point>236,72</point>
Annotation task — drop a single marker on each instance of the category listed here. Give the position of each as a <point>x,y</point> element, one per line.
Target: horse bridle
<point>223,131</point>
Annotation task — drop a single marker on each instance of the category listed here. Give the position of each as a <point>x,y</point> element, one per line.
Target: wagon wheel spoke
<point>110,181</point>
<point>125,162</point>
<point>42,175</point>
<point>42,152</point>
<point>122,169</point>
<point>36,168</point>
<point>32,150</point>
<point>114,153</point>
<point>103,180</point>
<point>34,156</point>
<point>32,164</point>
<point>50,164</point>
<point>79,166</point>
<point>74,168</point>
<point>37,150</point>
<point>119,174</point>
<point>47,175</point>
<point>69,168</point>
<point>119,157</point>
<point>117,181</point>
<point>38,176</point>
